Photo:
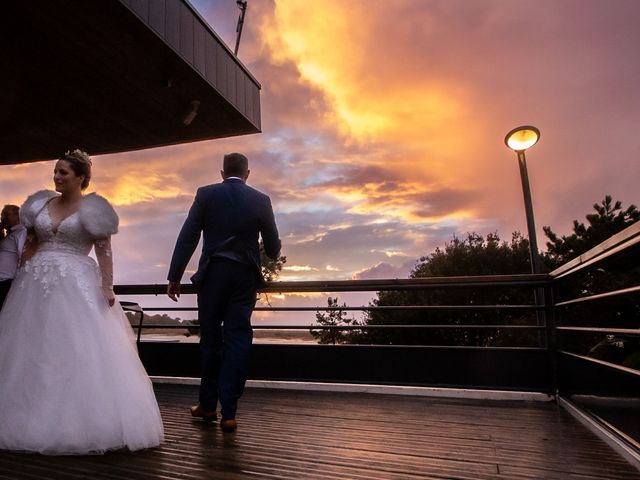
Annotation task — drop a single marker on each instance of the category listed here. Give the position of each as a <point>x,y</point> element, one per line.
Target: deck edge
<point>378,389</point>
<point>617,444</point>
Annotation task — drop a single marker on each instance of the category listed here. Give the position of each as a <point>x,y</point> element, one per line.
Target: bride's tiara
<point>78,155</point>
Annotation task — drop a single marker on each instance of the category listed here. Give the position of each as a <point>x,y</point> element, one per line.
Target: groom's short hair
<point>235,165</point>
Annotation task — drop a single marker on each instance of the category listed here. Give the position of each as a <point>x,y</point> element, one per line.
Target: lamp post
<point>520,139</point>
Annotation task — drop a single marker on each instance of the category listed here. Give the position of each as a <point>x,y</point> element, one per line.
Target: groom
<point>230,215</point>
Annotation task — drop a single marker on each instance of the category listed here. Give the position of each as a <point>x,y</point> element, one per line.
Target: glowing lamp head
<point>521,138</point>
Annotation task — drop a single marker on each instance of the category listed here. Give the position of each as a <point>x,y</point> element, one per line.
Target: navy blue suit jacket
<point>230,216</point>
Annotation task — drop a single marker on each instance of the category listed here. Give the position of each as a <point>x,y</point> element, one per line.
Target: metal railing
<point>596,309</point>
<point>598,293</point>
<point>466,343</point>
<point>584,334</point>
<point>520,282</point>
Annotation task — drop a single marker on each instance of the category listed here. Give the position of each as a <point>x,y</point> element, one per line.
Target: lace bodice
<point>62,251</point>
<point>70,236</point>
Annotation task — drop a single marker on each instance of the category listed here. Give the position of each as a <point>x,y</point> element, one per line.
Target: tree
<point>477,255</point>
<point>333,318</point>
<point>192,330</point>
<point>271,268</point>
<point>609,219</point>
<point>473,255</point>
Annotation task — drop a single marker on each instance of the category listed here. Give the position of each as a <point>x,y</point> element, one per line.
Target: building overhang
<point>110,76</point>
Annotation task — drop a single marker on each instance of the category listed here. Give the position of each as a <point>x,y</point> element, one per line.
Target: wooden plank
<point>172,23</point>
<point>210,60</point>
<point>248,98</point>
<point>199,45</point>
<point>186,33</point>
<point>240,95</point>
<point>232,66</point>
<point>141,8</point>
<point>256,107</point>
<point>157,16</point>
<point>221,70</point>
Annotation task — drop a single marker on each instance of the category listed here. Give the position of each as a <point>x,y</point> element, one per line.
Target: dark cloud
<point>443,202</point>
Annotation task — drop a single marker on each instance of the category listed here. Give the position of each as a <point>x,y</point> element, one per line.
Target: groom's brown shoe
<point>198,412</point>
<point>228,425</point>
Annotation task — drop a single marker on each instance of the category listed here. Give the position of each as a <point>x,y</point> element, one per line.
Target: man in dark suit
<point>230,215</point>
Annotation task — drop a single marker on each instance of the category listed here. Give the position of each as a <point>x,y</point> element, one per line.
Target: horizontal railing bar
<point>405,284</point>
<point>405,307</point>
<point>368,346</point>
<point>363,308</point>
<point>624,331</point>
<point>520,280</point>
<point>353,327</point>
<point>615,293</point>
<point>631,441</point>
<point>619,242</point>
<point>602,362</point>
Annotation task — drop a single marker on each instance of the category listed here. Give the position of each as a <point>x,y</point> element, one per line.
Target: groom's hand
<point>173,291</point>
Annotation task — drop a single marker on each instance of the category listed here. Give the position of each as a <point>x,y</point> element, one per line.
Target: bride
<point>71,381</point>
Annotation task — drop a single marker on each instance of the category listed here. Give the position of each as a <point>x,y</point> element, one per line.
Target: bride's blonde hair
<point>80,163</point>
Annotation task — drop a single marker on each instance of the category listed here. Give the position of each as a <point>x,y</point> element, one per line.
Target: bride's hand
<point>109,296</point>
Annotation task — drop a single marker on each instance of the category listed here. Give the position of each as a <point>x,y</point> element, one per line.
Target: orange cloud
<point>381,97</point>
<point>141,186</point>
<point>298,268</point>
<point>369,100</point>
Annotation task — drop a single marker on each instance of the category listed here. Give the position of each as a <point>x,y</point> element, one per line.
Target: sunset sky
<point>383,125</point>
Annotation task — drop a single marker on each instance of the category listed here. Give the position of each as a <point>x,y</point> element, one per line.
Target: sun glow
<point>331,56</point>
<point>298,268</point>
<point>140,187</point>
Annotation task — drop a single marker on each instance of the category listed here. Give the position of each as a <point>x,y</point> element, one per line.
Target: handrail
<point>599,296</point>
<point>614,366</point>
<point>519,281</point>
<point>621,331</point>
<point>359,327</point>
<point>483,281</point>
<point>365,308</point>
<point>615,244</point>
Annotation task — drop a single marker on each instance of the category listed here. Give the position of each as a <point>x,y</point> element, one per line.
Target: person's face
<point>8,218</point>
<point>65,179</point>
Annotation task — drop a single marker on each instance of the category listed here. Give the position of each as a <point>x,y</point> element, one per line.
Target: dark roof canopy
<point>110,76</point>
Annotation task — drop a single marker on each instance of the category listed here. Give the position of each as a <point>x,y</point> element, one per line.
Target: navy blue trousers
<point>226,300</point>
<point>5,286</point>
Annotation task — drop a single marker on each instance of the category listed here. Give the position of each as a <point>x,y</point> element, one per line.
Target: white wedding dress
<point>71,381</point>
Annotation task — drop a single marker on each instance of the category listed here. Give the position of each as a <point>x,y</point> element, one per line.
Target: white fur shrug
<point>96,214</point>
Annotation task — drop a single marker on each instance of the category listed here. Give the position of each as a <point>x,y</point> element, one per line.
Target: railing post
<point>140,328</point>
<point>540,299</point>
<point>135,308</point>
<point>550,312</point>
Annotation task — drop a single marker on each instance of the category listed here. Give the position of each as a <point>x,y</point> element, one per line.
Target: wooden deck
<point>288,434</point>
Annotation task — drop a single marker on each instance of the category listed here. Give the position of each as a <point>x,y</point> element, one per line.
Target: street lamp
<point>519,139</point>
